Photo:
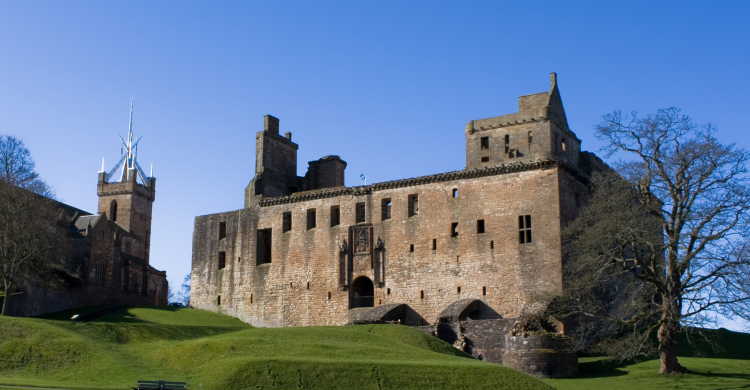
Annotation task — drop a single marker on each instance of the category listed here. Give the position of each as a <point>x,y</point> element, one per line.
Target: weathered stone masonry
<point>309,251</point>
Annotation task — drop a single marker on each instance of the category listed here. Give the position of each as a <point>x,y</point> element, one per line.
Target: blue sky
<point>386,85</point>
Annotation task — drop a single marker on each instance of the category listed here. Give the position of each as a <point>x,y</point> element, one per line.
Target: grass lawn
<point>727,368</point>
<point>213,351</point>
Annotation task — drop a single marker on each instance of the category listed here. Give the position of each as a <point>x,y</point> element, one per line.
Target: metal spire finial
<point>129,158</point>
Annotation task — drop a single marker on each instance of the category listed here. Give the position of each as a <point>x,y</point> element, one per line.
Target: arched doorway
<point>363,292</point>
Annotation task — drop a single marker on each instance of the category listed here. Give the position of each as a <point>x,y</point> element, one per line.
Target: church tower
<point>128,201</point>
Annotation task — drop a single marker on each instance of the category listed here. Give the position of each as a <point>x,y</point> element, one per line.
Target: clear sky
<point>387,85</point>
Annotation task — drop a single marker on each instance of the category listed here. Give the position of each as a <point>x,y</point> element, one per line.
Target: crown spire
<point>128,164</point>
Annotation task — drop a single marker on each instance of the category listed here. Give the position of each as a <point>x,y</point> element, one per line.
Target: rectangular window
<point>480,226</point>
<point>360,211</point>
<point>421,294</point>
<point>286,222</point>
<point>485,159</point>
<point>485,142</point>
<point>222,260</point>
<point>484,290</point>
<point>413,205</point>
<point>454,229</point>
<point>455,192</point>
<point>507,143</point>
<point>411,247</point>
<point>222,230</point>
<point>458,289</point>
<point>524,229</point>
<point>263,246</point>
<point>531,138</point>
<point>434,244</point>
<point>563,145</point>
<point>335,216</point>
<point>218,300</point>
<point>385,209</point>
<point>311,219</point>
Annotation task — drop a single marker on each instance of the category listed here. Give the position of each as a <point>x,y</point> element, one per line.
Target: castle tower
<point>125,200</point>
<point>275,163</point>
<point>538,131</point>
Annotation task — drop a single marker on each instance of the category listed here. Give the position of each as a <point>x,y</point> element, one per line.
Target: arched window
<point>99,273</point>
<point>113,211</point>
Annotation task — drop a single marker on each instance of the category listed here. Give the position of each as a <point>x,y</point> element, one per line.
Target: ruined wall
<point>306,267</point>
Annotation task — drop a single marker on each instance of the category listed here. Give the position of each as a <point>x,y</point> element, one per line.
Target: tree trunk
<point>667,348</point>
<point>5,309</point>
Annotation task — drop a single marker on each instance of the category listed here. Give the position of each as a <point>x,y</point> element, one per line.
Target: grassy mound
<point>213,351</point>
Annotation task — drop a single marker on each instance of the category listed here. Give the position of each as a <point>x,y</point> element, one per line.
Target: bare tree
<point>17,167</point>
<point>31,226</point>
<point>30,232</point>
<point>661,246</point>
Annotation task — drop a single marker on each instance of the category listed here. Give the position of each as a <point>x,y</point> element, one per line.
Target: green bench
<point>160,385</point>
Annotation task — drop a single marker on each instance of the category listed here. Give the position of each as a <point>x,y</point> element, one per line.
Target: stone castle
<point>108,261</point>
<point>458,254</point>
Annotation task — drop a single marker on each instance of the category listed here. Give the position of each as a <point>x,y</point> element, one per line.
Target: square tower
<point>538,131</point>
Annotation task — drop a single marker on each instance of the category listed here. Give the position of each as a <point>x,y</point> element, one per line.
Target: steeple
<point>124,200</point>
<point>128,164</point>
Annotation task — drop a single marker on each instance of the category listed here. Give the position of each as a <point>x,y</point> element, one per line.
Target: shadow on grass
<point>601,368</point>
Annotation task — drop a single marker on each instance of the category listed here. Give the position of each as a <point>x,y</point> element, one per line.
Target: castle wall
<point>492,263</point>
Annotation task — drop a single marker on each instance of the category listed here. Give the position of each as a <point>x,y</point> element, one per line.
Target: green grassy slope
<point>722,364</point>
<point>212,351</point>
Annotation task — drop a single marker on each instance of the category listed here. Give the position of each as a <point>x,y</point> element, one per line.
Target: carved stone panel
<point>362,240</point>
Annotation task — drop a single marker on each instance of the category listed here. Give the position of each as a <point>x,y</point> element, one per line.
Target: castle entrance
<point>363,293</point>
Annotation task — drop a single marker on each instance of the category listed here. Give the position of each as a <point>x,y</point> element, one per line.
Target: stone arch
<point>362,293</point>
<point>113,211</point>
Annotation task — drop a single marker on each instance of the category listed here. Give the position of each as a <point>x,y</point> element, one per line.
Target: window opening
<point>531,138</point>
<point>335,216</point>
<point>485,159</point>
<point>484,290</point>
<point>434,244</point>
<point>286,222</point>
<point>421,294</point>
<point>458,258</point>
<point>411,247</point>
<point>480,226</point>
<point>524,229</point>
<point>310,219</point>
<point>485,142</point>
<point>458,289</point>
<point>380,301</point>
<point>388,291</point>
<point>454,229</point>
<point>492,244</point>
<point>413,205</point>
<point>239,259</point>
<point>507,143</point>
<point>563,145</point>
<point>113,211</point>
<point>263,246</point>
<point>222,259</point>
<point>360,211</point>
<point>222,230</point>
<point>218,300</point>
<point>385,209</point>
<point>251,298</point>
<point>308,285</point>
<point>329,295</point>
<point>455,192</point>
